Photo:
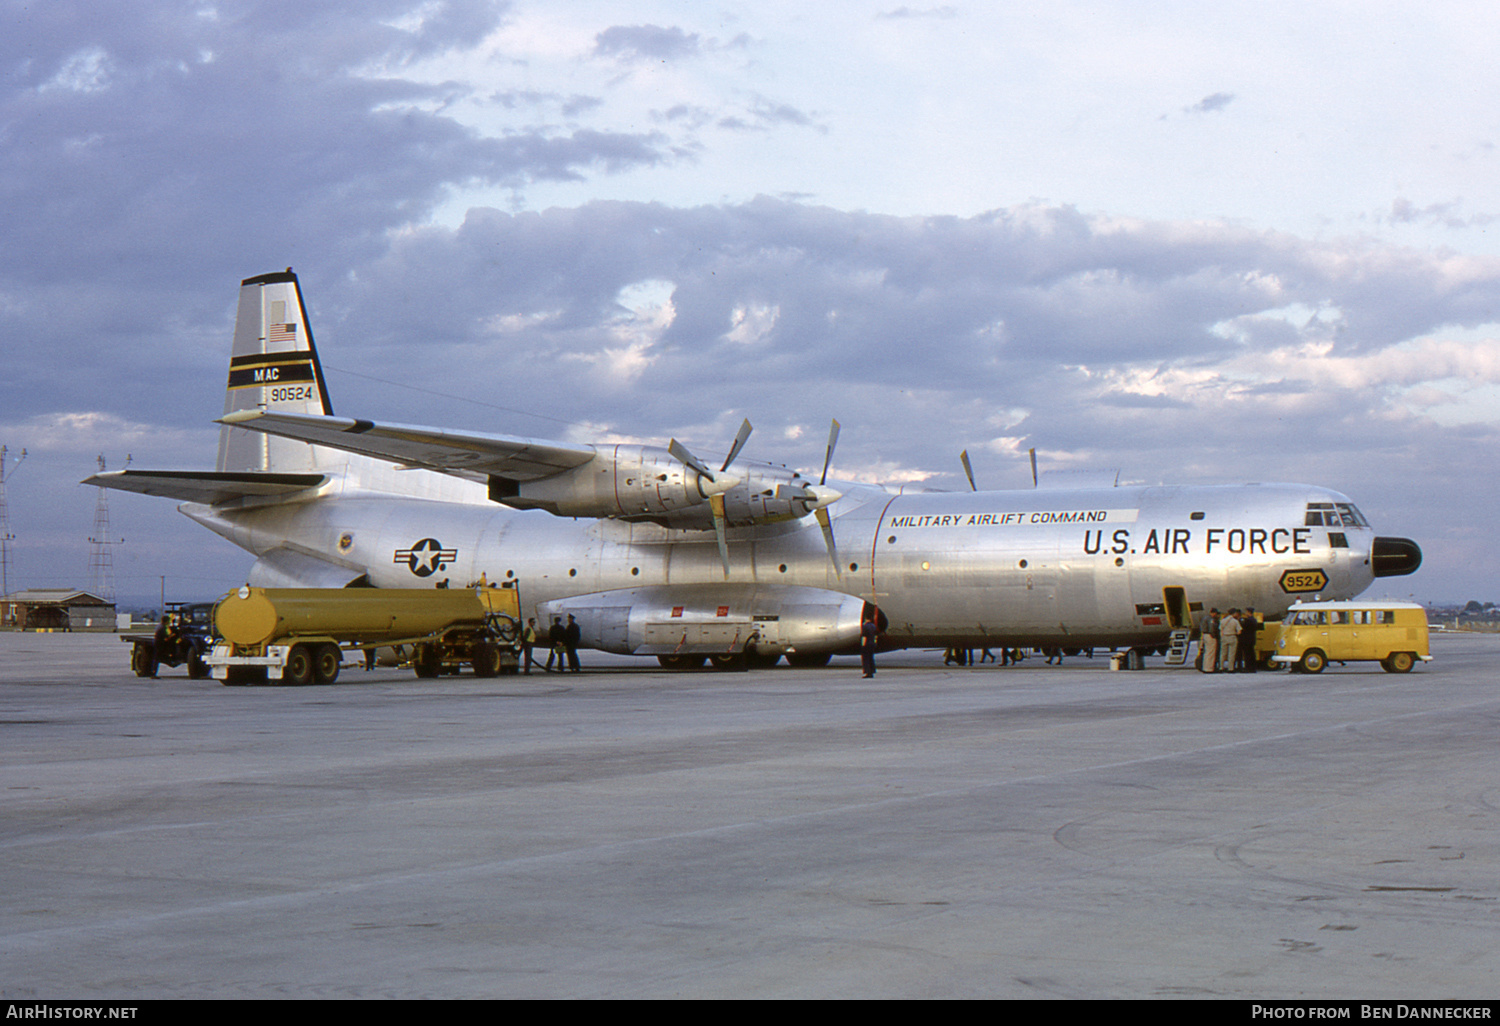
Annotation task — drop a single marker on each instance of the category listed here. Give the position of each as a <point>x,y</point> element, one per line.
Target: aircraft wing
<point>452,452</point>
<point>205,486</point>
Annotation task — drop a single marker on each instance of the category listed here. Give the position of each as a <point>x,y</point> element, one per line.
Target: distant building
<point>56,609</point>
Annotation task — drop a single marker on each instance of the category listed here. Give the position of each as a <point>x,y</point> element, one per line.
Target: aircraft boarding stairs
<point>1177,646</point>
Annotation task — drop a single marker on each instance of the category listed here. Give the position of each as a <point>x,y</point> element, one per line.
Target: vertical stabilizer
<point>272,366</point>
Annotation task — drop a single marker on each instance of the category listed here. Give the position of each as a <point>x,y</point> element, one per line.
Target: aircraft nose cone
<point>1395,557</point>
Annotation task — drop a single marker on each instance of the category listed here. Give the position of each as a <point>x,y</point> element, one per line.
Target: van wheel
<point>1313,661</point>
<point>1399,662</point>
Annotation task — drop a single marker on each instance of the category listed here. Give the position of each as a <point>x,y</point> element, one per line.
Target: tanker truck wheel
<point>299,667</point>
<point>326,663</point>
<point>486,659</point>
<point>426,661</point>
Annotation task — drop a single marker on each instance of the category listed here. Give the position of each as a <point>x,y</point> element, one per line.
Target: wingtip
<point>240,416</point>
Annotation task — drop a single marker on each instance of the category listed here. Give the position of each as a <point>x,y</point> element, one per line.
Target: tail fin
<point>272,366</point>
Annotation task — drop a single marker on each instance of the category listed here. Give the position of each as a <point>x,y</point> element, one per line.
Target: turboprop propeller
<point>793,499</point>
<point>717,484</point>
<point>816,499</point>
<point>963,458</point>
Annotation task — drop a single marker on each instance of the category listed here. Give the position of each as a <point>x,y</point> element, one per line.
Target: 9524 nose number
<point>1297,582</point>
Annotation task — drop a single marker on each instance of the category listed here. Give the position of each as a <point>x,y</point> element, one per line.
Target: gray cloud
<point>1404,211</point>
<point>1210,103</point>
<point>900,13</point>
<point>762,115</point>
<point>569,106</point>
<point>645,42</point>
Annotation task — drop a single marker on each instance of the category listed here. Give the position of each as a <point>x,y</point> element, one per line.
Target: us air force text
<point>1171,541</point>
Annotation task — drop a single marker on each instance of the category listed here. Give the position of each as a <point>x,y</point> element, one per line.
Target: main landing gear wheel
<point>762,660</point>
<point>682,662</point>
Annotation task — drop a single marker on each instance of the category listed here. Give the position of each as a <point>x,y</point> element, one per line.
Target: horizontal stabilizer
<point>210,488</point>
<point>467,454</point>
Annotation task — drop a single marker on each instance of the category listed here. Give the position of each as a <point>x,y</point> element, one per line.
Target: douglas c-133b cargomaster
<point>658,551</point>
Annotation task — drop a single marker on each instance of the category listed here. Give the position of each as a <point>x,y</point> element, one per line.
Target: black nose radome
<point>1395,557</point>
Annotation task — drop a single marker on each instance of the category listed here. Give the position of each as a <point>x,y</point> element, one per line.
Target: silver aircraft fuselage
<point>1033,567</point>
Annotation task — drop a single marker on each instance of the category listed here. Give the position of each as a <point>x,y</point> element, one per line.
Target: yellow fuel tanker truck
<point>300,635</point>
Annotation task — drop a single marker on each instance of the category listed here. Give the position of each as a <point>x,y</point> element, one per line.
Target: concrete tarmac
<point>1026,832</point>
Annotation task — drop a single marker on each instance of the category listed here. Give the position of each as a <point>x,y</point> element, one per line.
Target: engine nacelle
<point>706,619</point>
<point>634,482</point>
<point>765,495</point>
<point>642,482</point>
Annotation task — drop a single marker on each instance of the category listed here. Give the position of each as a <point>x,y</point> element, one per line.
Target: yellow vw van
<point>1315,633</point>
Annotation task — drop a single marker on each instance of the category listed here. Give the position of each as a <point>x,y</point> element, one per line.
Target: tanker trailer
<point>299,635</point>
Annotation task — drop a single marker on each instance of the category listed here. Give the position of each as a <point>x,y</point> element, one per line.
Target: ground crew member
<point>868,634</point>
<point>1208,643</point>
<point>528,641</point>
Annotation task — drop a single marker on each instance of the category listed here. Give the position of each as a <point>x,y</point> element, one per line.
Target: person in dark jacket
<point>869,634</point>
<point>572,635</point>
<point>557,640</point>
<point>1249,628</point>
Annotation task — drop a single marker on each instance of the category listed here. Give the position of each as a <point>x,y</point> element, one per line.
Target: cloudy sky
<point>1194,242</point>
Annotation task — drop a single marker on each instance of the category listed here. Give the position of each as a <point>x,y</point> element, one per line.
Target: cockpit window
<point>1334,514</point>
